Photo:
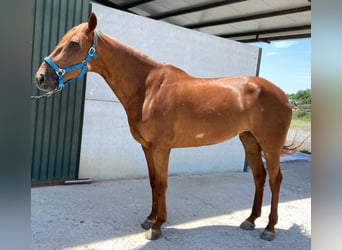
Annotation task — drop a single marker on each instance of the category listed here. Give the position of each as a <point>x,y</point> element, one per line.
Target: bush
<point>302,114</point>
<point>305,107</point>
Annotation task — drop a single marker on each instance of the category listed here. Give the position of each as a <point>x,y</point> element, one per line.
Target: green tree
<point>301,97</point>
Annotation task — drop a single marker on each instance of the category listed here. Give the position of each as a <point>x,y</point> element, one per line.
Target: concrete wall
<point>108,150</point>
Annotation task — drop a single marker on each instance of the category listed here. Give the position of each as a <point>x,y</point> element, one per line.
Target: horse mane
<point>139,55</point>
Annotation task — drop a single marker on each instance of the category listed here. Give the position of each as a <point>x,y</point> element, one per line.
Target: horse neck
<point>125,70</point>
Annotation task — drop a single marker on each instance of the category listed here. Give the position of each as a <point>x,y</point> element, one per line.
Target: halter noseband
<point>61,71</point>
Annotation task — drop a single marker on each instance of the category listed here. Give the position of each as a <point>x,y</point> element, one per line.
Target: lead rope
<point>45,95</point>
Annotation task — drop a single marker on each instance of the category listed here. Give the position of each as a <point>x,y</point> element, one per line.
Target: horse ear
<point>92,22</point>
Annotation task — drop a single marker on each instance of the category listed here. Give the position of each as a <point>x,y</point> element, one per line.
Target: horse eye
<point>73,44</point>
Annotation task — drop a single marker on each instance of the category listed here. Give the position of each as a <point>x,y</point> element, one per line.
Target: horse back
<point>196,111</point>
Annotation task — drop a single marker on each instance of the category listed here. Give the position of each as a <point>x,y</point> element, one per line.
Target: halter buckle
<point>91,51</point>
<point>60,72</point>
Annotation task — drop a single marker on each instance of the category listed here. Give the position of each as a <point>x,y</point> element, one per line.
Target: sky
<point>287,64</point>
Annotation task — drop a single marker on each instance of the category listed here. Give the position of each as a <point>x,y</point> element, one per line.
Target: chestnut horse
<point>167,108</point>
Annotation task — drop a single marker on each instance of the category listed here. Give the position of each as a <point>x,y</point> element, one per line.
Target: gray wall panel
<point>108,150</point>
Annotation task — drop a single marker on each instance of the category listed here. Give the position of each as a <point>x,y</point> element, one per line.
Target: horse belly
<point>211,130</point>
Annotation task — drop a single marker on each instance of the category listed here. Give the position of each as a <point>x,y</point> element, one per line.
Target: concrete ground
<point>204,212</point>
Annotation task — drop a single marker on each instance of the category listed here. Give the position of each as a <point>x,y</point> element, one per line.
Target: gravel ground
<point>204,212</point>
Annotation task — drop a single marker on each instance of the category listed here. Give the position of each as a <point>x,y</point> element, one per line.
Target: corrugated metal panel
<point>57,120</point>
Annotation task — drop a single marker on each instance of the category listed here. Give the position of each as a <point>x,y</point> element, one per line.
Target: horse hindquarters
<point>270,119</point>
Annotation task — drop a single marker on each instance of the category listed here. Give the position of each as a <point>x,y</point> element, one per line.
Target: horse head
<point>70,58</point>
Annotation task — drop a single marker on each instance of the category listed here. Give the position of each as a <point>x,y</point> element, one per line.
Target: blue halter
<point>83,65</point>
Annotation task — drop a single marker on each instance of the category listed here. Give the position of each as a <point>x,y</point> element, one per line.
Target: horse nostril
<point>40,78</point>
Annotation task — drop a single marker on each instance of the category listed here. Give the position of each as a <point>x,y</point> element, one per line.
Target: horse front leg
<point>160,160</point>
<point>152,217</point>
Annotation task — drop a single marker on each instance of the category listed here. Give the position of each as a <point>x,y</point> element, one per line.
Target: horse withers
<point>167,108</point>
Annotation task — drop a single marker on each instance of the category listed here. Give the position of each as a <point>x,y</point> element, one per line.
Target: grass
<point>301,121</point>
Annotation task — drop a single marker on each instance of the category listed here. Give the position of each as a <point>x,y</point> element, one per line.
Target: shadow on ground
<point>228,237</point>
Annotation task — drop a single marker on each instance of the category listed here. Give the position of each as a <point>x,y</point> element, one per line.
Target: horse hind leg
<point>272,153</point>
<point>253,156</point>
<point>275,178</point>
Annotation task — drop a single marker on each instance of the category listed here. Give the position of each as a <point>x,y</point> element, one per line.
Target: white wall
<point>108,150</point>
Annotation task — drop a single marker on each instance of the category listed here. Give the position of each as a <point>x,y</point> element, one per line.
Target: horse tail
<point>294,146</point>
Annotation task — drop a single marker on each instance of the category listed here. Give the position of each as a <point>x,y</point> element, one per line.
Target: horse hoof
<point>247,225</point>
<point>147,224</point>
<point>152,234</point>
<point>267,235</point>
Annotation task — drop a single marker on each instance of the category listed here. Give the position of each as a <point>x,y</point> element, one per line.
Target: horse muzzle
<point>46,81</point>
